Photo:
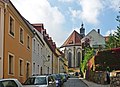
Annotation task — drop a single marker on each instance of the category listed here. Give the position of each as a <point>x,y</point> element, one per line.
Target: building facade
<point>46,52</point>
<point>62,62</point>
<point>95,39</point>
<point>17,44</point>
<point>37,53</point>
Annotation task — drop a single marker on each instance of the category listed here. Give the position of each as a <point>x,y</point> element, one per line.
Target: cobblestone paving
<point>74,82</point>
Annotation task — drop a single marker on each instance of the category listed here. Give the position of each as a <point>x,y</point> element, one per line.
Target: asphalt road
<point>74,82</point>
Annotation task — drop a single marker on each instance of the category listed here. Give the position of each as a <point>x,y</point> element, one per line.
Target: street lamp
<point>47,59</point>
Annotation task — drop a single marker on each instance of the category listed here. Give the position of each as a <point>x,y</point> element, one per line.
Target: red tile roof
<point>47,38</point>
<point>39,27</point>
<point>73,39</point>
<point>116,49</point>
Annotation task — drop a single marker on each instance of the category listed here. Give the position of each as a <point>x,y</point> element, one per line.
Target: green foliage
<point>88,54</point>
<point>114,39</point>
<point>111,43</point>
<point>70,71</point>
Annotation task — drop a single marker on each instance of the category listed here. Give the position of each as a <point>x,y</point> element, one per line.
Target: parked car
<point>59,80</point>
<point>40,81</point>
<point>10,83</point>
<point>64,77</point>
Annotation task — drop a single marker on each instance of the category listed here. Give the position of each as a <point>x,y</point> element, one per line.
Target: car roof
<point>8,79</point>
<point>40,76</point>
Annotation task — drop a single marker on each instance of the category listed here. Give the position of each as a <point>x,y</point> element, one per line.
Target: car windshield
<point>56,76</point>
<point>36,81</point>
<point>8,83</point>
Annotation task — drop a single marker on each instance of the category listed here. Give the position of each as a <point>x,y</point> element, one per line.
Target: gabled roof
<point>93,30</point>
<point>91,35</point>
<point>73,39</point>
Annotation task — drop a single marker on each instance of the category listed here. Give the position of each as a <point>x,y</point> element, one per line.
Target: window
<point>21,67</point>
<point>78,60</point>
<point>34,44</point>
<point>38,69</point>
<point>11,63</point>
<point>38,49</point>
<point>41,70</point>
<point>69,59</point>
<point>41,50</point>
<point>28,42</point>
<point>33,67</point>
<point>27,69</point>
<point>21,35</point>
<point>11,24</point>
<point>48,70</point>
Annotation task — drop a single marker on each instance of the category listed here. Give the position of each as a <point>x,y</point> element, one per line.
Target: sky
<point>62,17</point>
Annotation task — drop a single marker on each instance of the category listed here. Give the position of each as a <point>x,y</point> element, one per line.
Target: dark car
<point>64,77</point>
<point>59,80</point>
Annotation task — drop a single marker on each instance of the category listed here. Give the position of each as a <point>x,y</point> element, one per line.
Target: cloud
<point>75,13</point>
<point>110,32</point>
<point>112,4</point>
<point>42,12</point>
<point>91,9</point>
<point>65,0</point>
<point>89,12</point>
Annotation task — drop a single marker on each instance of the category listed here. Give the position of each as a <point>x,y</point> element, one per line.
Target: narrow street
<point>74,82</point>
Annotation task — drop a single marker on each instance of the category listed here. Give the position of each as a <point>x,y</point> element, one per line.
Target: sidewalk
<point>92,84</point>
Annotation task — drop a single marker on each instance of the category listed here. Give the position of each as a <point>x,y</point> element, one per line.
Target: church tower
<point>82,31</point>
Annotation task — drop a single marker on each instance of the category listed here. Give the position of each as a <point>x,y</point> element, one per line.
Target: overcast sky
<point>61,17</point>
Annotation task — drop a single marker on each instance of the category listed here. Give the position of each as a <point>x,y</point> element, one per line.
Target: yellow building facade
<point>55,63</point>
<point>62,62</point>
<point>17,44</point>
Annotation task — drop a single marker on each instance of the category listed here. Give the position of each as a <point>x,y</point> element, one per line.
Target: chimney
<point>98,31</point>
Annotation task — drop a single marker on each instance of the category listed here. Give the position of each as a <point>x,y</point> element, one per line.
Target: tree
<point>111,43</point>
<point>117,33</point>
<point>114,39</point>
<point>89,52</point>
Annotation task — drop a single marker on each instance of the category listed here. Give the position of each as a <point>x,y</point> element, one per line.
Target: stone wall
<point>115,81</point>
<point>97,77</point>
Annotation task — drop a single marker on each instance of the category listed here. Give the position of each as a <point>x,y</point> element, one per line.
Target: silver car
<point>40,81</point>
<point>10,83</point>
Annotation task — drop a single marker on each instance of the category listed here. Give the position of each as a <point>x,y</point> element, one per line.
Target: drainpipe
<point>4,34</point>
<point>5,11</point>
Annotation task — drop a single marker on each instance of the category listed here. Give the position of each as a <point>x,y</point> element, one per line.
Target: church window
<point>69,59</point>
<point>78,59</point>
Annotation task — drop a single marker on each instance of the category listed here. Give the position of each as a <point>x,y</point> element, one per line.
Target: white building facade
<point>42,54</point>
<point>37,53</point>
<point>96,40</point>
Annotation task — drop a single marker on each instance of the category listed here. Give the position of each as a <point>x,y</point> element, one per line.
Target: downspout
<point>5,11</point>
<point>5,4</point>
